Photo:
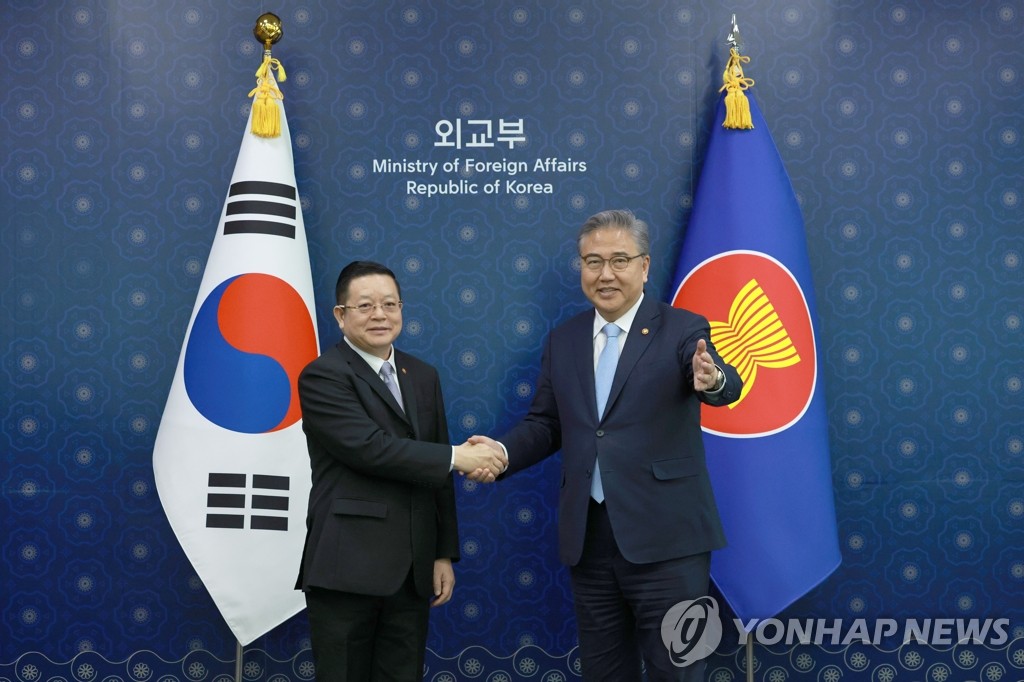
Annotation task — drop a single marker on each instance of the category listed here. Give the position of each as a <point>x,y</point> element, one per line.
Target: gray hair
<point>620,218</point>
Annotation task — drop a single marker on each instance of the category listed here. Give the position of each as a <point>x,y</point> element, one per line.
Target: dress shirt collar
<point>373,361</point>
<point>623,323</point>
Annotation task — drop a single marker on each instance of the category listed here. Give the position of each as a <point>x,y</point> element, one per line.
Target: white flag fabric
<point>230,457</point>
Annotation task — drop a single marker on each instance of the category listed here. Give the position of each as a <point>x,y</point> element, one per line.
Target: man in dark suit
<point>636,514</point>
<point>381,528</point>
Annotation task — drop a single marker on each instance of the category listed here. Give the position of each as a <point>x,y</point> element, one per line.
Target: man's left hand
<point>444,581</point>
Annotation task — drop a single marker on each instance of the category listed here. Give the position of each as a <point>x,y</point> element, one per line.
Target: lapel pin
<point>403,371</point>
<point>645,331</point>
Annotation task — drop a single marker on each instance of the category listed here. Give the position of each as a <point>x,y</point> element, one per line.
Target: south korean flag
<point>230,457</point>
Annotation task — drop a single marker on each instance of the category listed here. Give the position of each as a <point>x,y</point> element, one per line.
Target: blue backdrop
<point>900,125</point>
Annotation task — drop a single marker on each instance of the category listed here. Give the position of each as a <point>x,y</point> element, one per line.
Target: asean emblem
<point>761,325</point>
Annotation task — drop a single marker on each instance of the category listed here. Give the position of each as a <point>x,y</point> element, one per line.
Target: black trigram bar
<point>270,482</point>
<point>271,503</point>
<point>269,522</point>
<point>274,189</point>
<point>259,227</point>
<point>225,500</point>
<point>227,480</point>
<point>277,218</point>
<point>225,521</point>
<point>266,207</point>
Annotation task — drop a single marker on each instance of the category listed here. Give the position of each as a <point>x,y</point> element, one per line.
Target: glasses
<point>389,307</point>
<point>618,263</point>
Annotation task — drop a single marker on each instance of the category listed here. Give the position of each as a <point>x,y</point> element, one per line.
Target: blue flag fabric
<point>744,265</point>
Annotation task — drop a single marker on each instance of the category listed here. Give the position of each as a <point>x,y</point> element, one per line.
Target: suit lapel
<point>582,344</point>
<point>362,370</point>
<point>641,333</point>
<point>406,382</point>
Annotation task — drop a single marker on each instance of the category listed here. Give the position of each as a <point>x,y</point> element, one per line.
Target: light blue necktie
<point>387,373</point>
<point>603,376</point>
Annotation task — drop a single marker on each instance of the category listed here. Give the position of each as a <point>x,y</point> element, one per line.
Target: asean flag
<point>230,457</point>
<point>744,266</point>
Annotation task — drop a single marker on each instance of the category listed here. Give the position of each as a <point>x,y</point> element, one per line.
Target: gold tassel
<point>737,107</point>
<point>266,116</point>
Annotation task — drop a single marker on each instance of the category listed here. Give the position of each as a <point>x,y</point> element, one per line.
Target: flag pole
<point>734,43</point>
<point>268,31</point>
<point>750,652</point>
<point>266,123</point>
<point>733,40</point>
<point>734,83</point>
<point>266,116</point>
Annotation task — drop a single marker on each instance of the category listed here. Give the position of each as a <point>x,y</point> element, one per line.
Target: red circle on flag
<point>761,325</point>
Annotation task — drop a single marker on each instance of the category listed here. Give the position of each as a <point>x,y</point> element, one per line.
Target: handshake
<point>481,459</point>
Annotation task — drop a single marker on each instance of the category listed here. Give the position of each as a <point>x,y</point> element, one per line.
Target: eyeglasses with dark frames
<point>618,263</point>
<point>389,307</point>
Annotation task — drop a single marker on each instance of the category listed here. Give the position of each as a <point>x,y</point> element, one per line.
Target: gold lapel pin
<point>645,331</point>
<point>403,371</point>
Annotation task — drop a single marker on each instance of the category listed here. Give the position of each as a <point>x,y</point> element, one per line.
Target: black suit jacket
<point>657,490</point>
<point>382,499</point>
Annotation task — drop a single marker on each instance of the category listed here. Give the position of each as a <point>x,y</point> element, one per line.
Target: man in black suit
<point>381,528</point>
<point>636,514</point>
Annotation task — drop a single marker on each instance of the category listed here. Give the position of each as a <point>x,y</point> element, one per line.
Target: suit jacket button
<point>600,433</point>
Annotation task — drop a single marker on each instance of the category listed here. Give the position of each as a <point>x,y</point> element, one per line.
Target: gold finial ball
<point>268,29</point>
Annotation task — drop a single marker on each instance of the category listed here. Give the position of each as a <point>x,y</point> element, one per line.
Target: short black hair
<point>619,217</point>
<point>360,268</point>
